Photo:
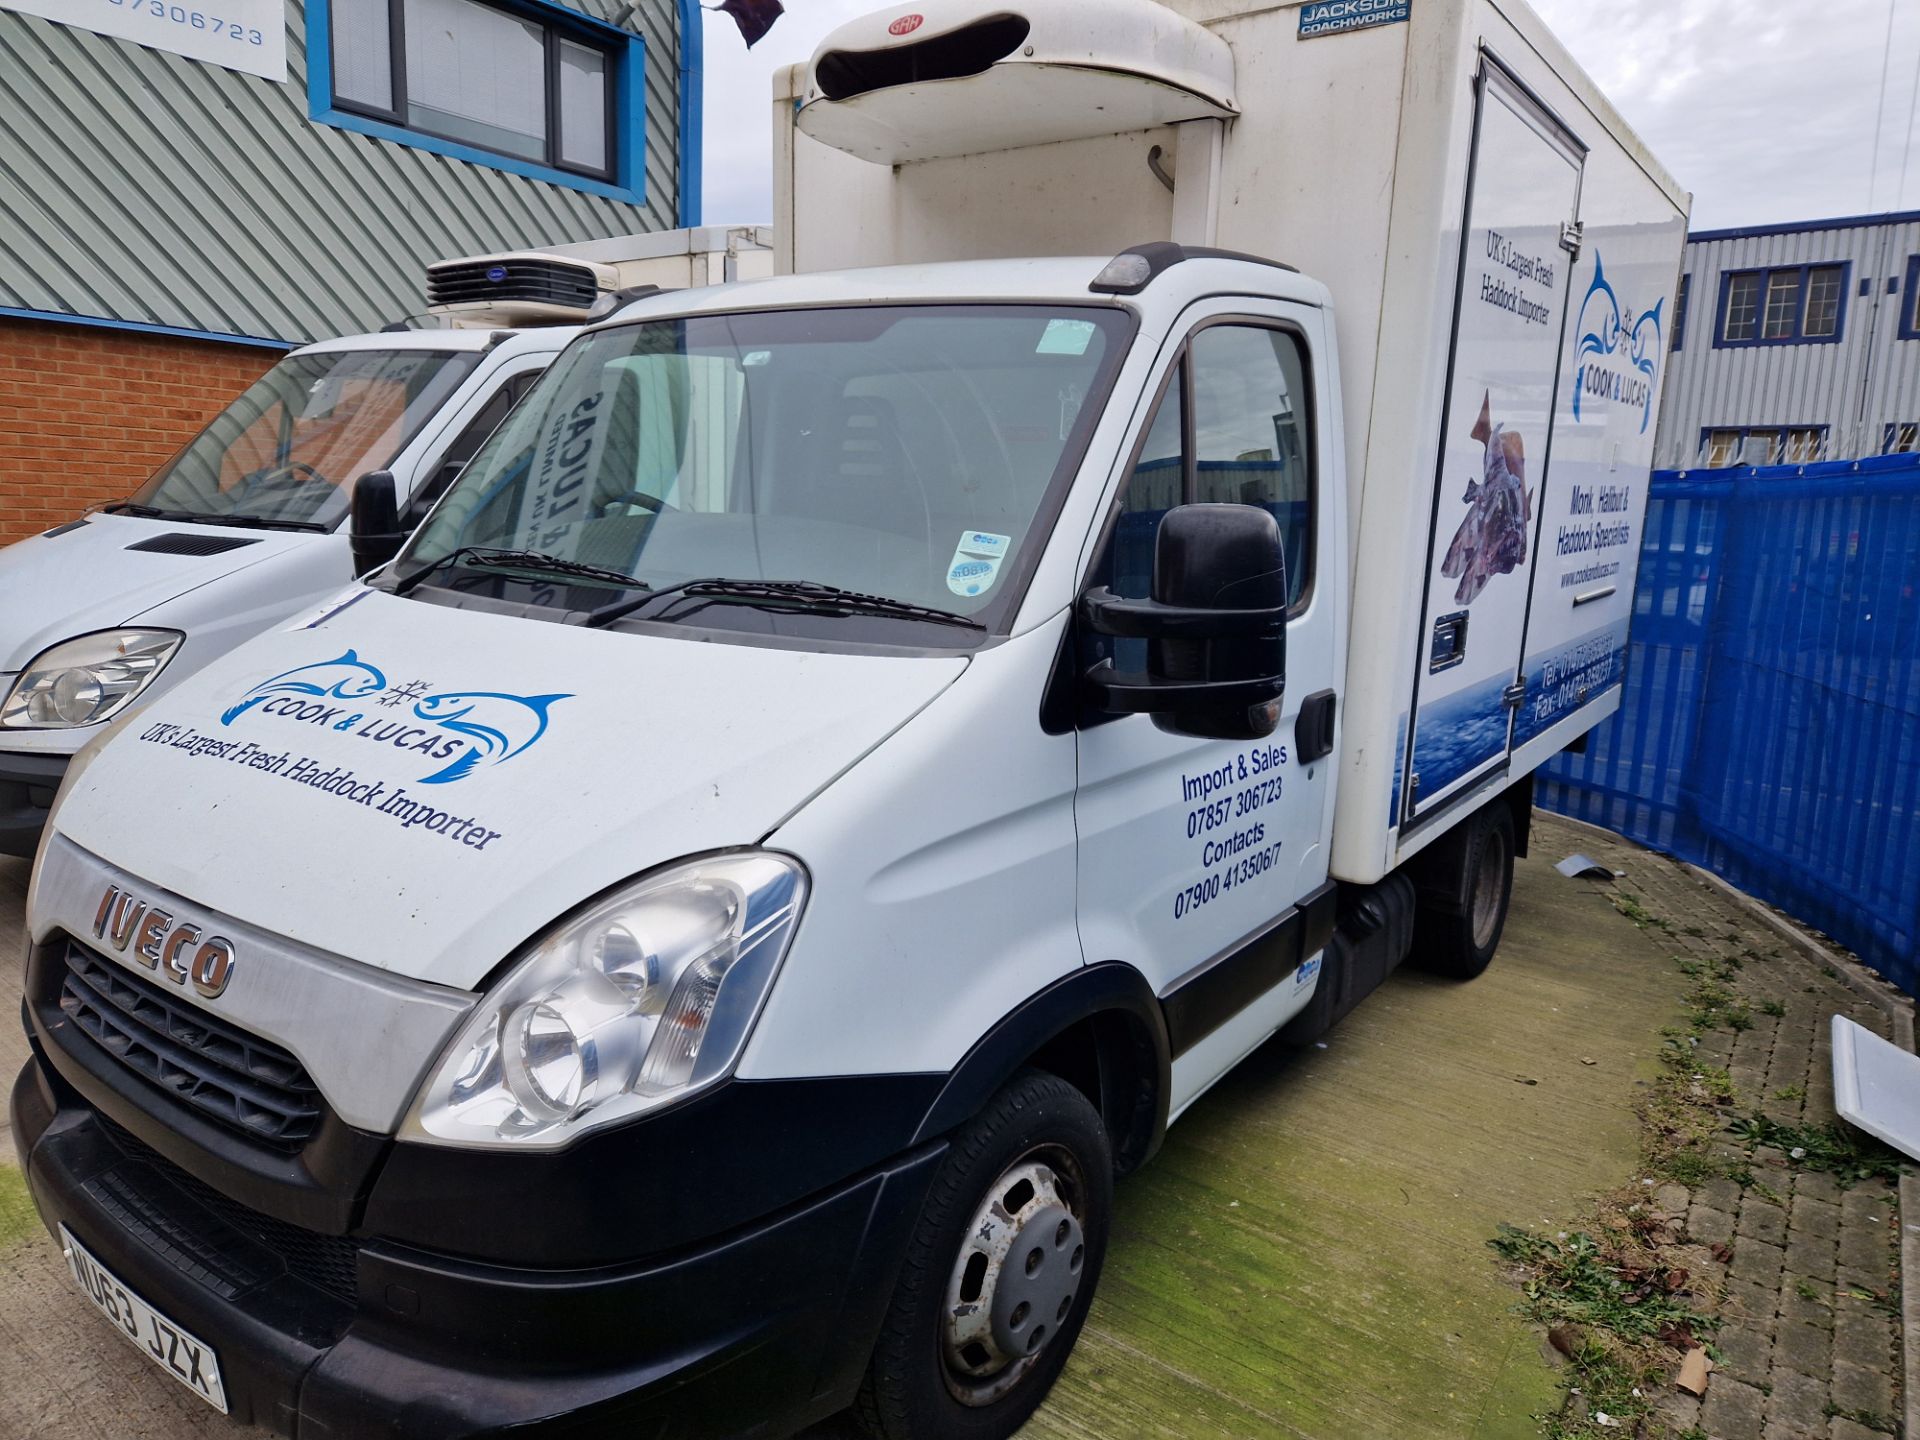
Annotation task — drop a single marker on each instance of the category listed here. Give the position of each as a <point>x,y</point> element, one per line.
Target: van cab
<point>247,523</point>
<point>241,527</point>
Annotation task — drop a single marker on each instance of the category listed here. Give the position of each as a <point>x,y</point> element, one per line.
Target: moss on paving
<point>1306,1257</point>
<point>17,1217</point>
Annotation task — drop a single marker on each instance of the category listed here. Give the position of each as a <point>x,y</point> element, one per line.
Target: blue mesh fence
<point>1770,730</point>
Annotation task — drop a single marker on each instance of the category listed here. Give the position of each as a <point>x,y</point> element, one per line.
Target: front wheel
<point>1000,1271</point>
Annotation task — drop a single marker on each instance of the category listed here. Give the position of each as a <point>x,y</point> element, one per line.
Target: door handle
<point>1313,731</point>
<point>1449,643</point>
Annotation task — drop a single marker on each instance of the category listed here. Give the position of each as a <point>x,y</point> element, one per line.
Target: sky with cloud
<point>1766,109</point>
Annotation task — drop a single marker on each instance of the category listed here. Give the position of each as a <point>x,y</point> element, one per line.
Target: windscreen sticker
<point>976,562</point>
<point>1066,337</point>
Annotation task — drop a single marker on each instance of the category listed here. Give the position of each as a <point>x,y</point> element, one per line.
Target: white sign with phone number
<point>249,35</point>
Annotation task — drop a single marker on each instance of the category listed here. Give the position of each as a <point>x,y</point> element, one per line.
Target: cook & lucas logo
<point>1620,351</point>
<point>462,729</point>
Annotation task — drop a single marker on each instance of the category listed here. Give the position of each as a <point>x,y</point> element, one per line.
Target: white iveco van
<point>245,525</point>
<point>689,946</point>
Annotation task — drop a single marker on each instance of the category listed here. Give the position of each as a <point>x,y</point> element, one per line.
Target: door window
<point>469,442</point>
<point>1232,427</point>
<point>1250,429</point>
<point>1157,484</point>
<point>1249,442</point>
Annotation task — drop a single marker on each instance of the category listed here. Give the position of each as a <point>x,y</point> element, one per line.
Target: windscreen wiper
<point>192,517</point>
<point>786,595</point>
<point>490,558</point>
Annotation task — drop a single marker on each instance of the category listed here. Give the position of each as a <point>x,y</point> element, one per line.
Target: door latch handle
<point>1313,731</point>
<point>1449,642</point>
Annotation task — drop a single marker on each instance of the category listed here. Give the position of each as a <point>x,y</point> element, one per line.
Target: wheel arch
<point>1101,1029</point>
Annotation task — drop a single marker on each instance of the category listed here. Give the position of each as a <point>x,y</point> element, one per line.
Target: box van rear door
<point>1523,206</point>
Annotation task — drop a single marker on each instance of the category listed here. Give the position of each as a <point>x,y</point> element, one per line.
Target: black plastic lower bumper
<point>27,786</point>
<point>753,1335</point>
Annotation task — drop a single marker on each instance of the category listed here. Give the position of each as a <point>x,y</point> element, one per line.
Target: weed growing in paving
<point>1887,1302</point>
<point>1866,1419</point>
<point>1749,1181</point>
<point>1822,1147</point>
<point>1612,1306</point>
<point>1630,906</point>
<point>1684,1114</point>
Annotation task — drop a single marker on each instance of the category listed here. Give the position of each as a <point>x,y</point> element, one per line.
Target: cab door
<point>1203,863</point>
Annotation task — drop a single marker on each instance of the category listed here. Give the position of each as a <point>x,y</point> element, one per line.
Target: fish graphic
<point>346,678</point>
<point>1492,540</point>
<point>497,727</point>
<point>1607,328</point>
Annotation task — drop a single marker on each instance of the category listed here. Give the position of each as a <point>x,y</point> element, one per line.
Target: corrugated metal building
<point>188,188</point>
<point>1795,344</point>
<point>140,187</point>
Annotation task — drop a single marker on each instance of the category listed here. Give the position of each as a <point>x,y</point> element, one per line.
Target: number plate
<point>188,1360</point>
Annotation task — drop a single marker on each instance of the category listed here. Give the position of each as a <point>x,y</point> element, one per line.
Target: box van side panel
<point>1635,219</point>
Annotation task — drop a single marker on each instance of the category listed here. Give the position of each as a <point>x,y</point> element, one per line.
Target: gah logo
<point>464,728</point>
<point>906,25</point>
<point>1612,332</point>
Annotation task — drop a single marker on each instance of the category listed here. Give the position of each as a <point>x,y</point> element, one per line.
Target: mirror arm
<point>1122,694</point>
<point>1108,614</point>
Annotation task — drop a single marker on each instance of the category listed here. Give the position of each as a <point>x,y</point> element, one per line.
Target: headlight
<point>638,1000</point>
<point>87,680</point>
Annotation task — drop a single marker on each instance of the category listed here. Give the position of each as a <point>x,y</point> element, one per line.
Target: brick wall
<point>86,414</point>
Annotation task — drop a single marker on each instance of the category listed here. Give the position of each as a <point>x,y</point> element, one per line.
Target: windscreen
<point>288,450</point>
<point>907,452</point>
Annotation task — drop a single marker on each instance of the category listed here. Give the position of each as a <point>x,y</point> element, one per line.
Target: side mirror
<point>1216,627</point>
<point>374,528</point>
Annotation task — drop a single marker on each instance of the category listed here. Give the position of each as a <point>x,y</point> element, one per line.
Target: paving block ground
<point>1307,1257</point>
<point>1810,1341</point>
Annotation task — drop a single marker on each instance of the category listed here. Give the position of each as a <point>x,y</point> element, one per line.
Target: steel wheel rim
<point>1029,1207</point>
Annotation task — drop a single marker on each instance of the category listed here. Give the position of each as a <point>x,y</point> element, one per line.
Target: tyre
<point>1458,928</point>
<point>999,1274</point>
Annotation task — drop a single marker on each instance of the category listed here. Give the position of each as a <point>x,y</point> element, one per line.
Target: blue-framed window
<point>1910,302</point>
<point>1783,305</point>
<point>527,86</point>
<point>1901,438</point>
<point>1680,302</point>
<point>1724,445</point>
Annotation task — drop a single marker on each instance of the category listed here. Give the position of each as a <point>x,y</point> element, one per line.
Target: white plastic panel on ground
<point>1876,1086</point>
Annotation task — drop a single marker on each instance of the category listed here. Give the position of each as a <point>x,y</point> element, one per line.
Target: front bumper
<point>753,1335</point>
<point>27,786</point>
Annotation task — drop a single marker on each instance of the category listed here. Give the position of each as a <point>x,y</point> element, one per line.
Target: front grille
<point>220,1070</point>
<point>327,1262</point>
<point>485,282</point>
<point>179,543</point>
